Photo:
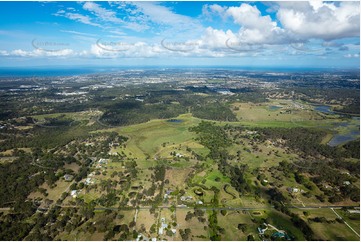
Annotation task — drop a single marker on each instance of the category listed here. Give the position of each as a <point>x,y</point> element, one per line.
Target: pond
<point>323,109</point>
<point>352,133</point>
<point>175,120</point>
<point>274,108</point>
<point>343,138</point>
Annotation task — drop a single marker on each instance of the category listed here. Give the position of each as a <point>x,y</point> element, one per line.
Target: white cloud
<point>77,17</point>
<point>209,11</point>
<point>77,33</point>
<point>256,32</point>
<point>4,53</point>
<point>164,16</point>
<point>159,19</point>
<point>215,38</point>
<point>254,28</point>
<point>102,13</point>
<point>38,53</point>
<point>117,32</point>
<point>250,17</point>
<point>315,19</point>
<point>352,56</point>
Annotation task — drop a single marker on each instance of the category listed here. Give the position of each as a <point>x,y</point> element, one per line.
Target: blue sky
<point>260,34</point>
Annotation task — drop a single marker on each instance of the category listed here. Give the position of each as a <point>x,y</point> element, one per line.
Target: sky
<point>254,34</point>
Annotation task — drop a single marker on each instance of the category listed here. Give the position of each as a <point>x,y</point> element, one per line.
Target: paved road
<point>219,208</point>
<point>203,208</point>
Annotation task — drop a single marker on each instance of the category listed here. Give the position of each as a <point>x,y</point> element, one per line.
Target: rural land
<point>181,154</point>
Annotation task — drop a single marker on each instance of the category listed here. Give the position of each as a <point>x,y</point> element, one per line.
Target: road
<point>217,208</point>
<point>345,222</point>
<point>203,208</point>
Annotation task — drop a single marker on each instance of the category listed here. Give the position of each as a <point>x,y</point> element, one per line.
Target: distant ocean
<point>71,71</point>
<point>41,72</point>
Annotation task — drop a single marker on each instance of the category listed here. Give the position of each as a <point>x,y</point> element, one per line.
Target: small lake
<point>352,134</point>
<point>323,109</point>
<point>273,108</point>
<point>340,139</point>
<point>174,120</point>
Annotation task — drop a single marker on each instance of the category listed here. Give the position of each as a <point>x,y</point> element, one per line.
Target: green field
<point>332,230</point>
<point>150,138</point>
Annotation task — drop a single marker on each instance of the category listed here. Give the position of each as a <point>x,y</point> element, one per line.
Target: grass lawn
<point>53,193</point>
<point>331,231</point>
<point>199,230</point>
<point>230,223</point>
<point>177,177</point>
<point>146,220</point>
<point>287,111</point>
<point>84,115</point>
<point>281,221</point>
<point>147,139</point>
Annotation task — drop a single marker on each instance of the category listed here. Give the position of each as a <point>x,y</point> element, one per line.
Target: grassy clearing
<point>330,231</point>
<point>177,177</point>
<point>326,139</point>
<point>77,116</point>
<point>212,178</point>
<point>145,220</point>
<point>287,114</point>
<point>199,230</point>
<point>9,159</point>
<point>230,223</point>
<point>266,155</point>
<point>281,221</point>
<point>53,193</point>
<point>352,219</point>
<point>73,166</point>
<point>10,151</point>
<point>147,139</point>
<point>276,110</point>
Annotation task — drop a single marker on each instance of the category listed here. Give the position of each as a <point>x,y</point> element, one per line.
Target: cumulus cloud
<point>301,25</point>
<point>209,11</point>
<point>316,19</point>
<point>254,28</point>
<point>38,53</point>
<point>215,38</point>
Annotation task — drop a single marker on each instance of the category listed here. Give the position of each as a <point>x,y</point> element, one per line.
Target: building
<point>68,177</point>
<point>88,181</point>
<point>186,198</point>
<point>103,161</point>
<point>74,193</point>
<point>293,190</point>
<point>163,226</point>
<point>179,155</point>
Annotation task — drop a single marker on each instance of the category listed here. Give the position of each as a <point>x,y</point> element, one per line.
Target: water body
<point>323,109</point>
<point>47,72</point>
<point>353,134</point>
<point>273,108</point>
<point>175,120</point>
<point>340,139</point>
